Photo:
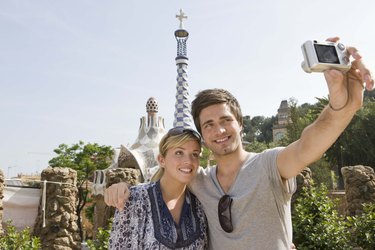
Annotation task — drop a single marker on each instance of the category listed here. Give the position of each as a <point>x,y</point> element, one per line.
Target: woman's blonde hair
<point>173,139</point>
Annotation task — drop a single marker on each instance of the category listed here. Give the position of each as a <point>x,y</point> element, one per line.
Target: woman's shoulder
<point>140,191</point>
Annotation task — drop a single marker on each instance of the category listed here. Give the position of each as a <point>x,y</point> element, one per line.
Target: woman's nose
<point>189,159</point>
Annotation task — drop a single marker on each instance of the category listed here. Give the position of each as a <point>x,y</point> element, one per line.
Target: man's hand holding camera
<point>346,78</point>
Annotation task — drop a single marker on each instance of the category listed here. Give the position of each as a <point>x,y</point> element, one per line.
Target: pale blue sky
<point>84,69</point>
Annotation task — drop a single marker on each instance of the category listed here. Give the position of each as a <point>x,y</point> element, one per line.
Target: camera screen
<point>326,54</point>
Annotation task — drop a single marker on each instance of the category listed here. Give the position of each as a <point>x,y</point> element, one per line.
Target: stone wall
<point>303,179</point>
<point>116,175</point>
<point>359,184</point>
<point>102,212</point>
<point>59,229</point>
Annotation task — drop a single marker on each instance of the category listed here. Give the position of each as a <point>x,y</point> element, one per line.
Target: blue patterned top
<point>146,222</point>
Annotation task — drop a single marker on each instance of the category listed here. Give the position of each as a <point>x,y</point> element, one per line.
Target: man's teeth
<point>186,170</point>
<point>222,140</point>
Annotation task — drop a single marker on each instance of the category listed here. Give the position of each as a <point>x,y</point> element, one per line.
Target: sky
<point>83,70</point>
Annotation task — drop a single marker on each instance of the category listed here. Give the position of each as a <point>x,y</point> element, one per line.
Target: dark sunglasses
<point>224,212</point>
<point>180,130</point>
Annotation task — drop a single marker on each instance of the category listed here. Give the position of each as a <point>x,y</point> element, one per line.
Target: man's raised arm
<point>345,99</point>
<point>116,195</point>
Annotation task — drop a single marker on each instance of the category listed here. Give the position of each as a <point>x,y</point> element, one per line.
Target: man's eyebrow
<point>208,121</point>
<point>220,118</point>
<point>225,117</point>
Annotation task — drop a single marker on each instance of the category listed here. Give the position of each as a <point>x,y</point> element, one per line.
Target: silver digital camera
<point>320,56</point>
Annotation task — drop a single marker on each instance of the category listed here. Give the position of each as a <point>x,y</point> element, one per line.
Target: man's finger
<point>365,74</point>
<point>122,196</point>
<point>333,39</point>
<point>109,196</point>
<point>106,197</point>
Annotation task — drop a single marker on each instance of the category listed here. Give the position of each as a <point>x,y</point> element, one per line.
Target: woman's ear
<point>161,161</point>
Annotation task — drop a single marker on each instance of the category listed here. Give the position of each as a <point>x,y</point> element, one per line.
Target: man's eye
<point>207,125</point>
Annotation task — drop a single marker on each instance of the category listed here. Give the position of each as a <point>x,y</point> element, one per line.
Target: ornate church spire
<point>182,116</point>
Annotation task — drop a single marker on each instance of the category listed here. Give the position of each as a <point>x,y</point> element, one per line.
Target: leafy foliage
<point>322,174</point>
<point>84,158</point>
<point>102,238</point>
<point>300,117</point>
<point>256,147</point>
<point>90,210</point>
<point>14,239</point>
<point>356,144</point>
<point>205,157</point>
<point>363,227</point>
<point>316,223</point>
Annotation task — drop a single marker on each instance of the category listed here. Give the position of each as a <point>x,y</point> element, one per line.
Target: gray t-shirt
<point>260,209</point>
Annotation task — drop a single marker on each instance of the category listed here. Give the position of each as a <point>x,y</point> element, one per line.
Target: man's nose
<point>220,129</point>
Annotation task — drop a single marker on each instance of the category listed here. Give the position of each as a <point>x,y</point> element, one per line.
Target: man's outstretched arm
<point>345,98</point>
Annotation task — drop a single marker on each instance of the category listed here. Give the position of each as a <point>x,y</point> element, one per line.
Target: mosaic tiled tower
<point>182,116</point>
<point>142,154</point>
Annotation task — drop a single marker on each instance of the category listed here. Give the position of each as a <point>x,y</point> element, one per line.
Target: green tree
<point>248,129</point>
<point>355,146</point>
<point>300,117</point>
<point>258,128</point>
<point>256,147</point>
<point>85,159</point>
<point>265,129</point>
<point>322,173</point>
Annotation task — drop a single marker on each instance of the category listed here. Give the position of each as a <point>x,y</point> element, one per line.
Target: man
<point>246,197</point>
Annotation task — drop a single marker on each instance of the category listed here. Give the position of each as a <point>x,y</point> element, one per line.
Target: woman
<point>164,214</point>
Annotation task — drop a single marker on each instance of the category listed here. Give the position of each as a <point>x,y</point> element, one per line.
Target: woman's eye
<point>196,155</point>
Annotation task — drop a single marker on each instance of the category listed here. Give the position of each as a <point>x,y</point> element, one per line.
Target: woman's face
<point>181,163</point>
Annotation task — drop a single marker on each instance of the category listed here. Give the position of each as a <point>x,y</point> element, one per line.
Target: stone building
<point>280,128</point>
<point>142,154</point>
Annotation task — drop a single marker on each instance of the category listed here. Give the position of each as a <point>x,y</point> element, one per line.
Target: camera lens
<point>326,54</point>
<point>341,46</point>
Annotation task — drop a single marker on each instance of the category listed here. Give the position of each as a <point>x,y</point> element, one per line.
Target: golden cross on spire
<point>181,18</point>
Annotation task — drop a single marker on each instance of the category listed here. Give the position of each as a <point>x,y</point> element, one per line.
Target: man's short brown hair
<point>210,97</point>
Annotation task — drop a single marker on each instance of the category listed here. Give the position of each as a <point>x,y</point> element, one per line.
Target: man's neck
<point>228,167</point>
